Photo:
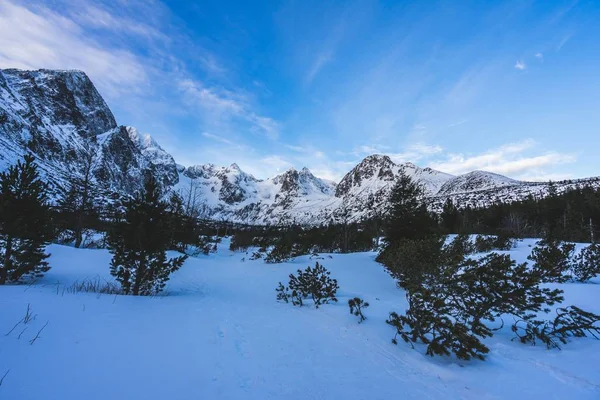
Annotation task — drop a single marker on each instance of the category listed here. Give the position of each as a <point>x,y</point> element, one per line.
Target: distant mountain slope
<point>476,180</point>
<point>60,117</point>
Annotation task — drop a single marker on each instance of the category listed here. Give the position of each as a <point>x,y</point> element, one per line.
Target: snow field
<point>220,334</point>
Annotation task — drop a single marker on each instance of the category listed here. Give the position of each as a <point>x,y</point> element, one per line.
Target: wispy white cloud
<point>94,17</point>
<point>425,149</point>
<point>539,56</point>
<point>563,41</point>
<point>508,159</point>
<point>276,163</point>
<point>520,65</point>
<point>412,153</point>
<point>368,149</point>
<point>325,53</point>
<point>458,123</point>
<point>217,138</point>
<point>224,105</point>
<point>44,39</point>
<point>319,62</point>
<point>298,149</point>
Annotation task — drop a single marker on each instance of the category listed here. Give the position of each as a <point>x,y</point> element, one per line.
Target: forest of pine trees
<point>573,216</point>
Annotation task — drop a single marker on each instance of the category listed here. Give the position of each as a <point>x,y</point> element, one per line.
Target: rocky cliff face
<point>61,118</point>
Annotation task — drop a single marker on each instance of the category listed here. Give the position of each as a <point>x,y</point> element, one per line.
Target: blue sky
<point>509,87</point>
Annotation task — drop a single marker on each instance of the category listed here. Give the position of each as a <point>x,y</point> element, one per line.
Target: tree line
<point>573,216</point>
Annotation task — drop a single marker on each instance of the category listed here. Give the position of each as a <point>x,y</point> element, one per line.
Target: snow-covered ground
<point>220,334</point>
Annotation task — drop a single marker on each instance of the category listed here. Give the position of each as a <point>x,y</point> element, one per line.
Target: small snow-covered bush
<point>587,264</point>
<point>312,283</point>
<point>357,305</point>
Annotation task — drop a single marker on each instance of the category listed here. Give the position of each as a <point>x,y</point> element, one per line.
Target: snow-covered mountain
<point>228,193</point>
<point>60,117</point>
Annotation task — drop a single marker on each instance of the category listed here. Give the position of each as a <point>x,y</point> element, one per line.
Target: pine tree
<point>25,227</point>
<point>77,205</point>
<point>139,243</point>
<point>449,217</point>
<point>181,226</point>
<point>408,217</point>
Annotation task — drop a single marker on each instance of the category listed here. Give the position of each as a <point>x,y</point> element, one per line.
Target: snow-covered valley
<point>220,333</point>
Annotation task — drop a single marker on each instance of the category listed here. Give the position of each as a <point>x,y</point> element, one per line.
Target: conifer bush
<point>459,247</point>
<point>456,302</point>
<point>587,263</point>
<point>553,260</point>
<point>484,244</point>
<point>312,283</point>
<point>357,305</point>
<point>410,260</point>
<point>139,244</point>
<point>569,322</point>
<point>451,309</point>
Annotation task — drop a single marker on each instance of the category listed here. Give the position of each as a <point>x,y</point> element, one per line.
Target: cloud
<point>563,41</point>
<point>425,149</point>
<point>370,149</point>
<point>539,56</point>
<point>277,163</point>
<point>320,61</point>
<point>458,123</point>
<point>330,43</point>
<point>545,177</point>
<point>217,138</point>
<point>507,159</point>
<point>298,149</point>
<point>44,39</point>
<point>520,65</point>
<point>224,105</point>
<point>413,152</point>
<point>94,17</point>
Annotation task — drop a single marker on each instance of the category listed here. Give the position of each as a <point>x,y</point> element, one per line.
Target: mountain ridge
<point>62,119</point>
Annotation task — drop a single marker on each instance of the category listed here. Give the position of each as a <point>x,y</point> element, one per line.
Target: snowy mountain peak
<point>377,158</point>
<point>375,167</point>
<point>475,180</point>
<point>408,165</point>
